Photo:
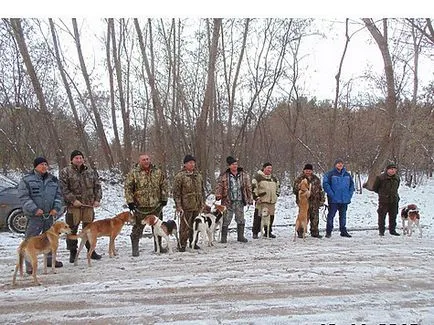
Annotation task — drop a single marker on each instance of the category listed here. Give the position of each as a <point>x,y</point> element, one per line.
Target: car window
<point>6,182</point>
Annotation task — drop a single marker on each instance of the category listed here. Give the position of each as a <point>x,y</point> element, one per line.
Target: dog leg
<point>34,262</point>
<point>44,261</point>
<point>157,243</point>
<point>295,232</point>
<point>82,242</point>
<point>91,249</point>
<point>112,252</point>
<point>18,266</point>
<point>169,245</point>
<point>53,260</point>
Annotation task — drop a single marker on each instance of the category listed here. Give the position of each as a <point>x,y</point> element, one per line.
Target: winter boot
<point>50,261</point>
<point>72,254</point>
<point>94,255</point>
<point>224,234</point>
<point>134,246</point>
<point>240,233</point>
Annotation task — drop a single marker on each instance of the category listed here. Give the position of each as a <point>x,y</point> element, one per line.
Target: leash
<point>324,214</point>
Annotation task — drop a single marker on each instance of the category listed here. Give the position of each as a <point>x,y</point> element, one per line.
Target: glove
<point>163,203</point>
<point>77,204</point>
<point>132,207</point>
<point>96,204</point>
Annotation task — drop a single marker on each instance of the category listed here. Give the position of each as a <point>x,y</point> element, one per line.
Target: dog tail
<point>81,235</point>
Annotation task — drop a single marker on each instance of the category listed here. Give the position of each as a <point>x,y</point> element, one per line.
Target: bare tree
<point>387,143</point>
<point>54,137</point>
<point>99,125</point>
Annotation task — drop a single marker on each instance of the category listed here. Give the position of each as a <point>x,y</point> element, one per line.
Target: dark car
<point>11,214</point>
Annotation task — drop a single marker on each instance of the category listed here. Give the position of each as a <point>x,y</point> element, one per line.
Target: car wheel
<point>17,221</point>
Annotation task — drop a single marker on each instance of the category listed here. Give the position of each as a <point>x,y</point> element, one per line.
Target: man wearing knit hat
<point>234,189</point>
<point>41,199</point>
<point>339,186</point>
<point>316,199</point>
<point>387,185</point>
<point>81,189</point>
<point>189,196</point>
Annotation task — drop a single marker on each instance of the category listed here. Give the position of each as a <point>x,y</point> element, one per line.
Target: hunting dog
<point>265,222</point>
<point>303,208</point>
<point>410,216</point>
<point>110,227</point>
<point>207,222</point>
<point>42,244</point>
<point>162,229</point>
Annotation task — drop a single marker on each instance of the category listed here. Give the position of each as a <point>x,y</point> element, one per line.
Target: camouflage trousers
<point>186,227</point>
<point>71,244</point>
<point>314,220</point>
<point>236,208</point>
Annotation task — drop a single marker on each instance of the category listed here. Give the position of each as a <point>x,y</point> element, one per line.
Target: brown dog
<point>303,208</point>
<point>42,244</point>
<point>162,229</point>
<point>110,227</point>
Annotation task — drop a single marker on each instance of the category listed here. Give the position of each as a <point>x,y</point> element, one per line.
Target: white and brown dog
<point>162,229</point>
<point>265,222</point>
<point>303,208</point>
<point>410,216</point>
<point>207,223</point>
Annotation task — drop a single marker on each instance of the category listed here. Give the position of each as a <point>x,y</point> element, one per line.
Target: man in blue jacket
<point>41,200</point>
<point>339,186</point>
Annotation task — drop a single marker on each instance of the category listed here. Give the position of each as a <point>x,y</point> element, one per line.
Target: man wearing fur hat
<point>82,193</point>
<point>189,196</point>
<point>266,190</point>
<point>316,198</point>
<point>41,199</point>
<point>386,185</point>
<point>234,189</point>
<point>339,186</point>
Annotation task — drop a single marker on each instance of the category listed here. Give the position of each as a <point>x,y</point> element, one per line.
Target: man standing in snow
<point>234,189</point>
<point>386,185</point>
<point>339,186</point>
<point>266,190</point>
<point>82,193</point>
<point>316,198</point>
<point>188,193</point>
<point>40,197</point>
<point>145,191</point>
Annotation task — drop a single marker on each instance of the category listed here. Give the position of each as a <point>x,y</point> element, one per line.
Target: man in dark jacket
<point>339,186</point>
<point>386,185</point>
<point>40,196</point>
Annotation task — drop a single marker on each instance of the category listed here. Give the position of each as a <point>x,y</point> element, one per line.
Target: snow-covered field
<point>366,279</point>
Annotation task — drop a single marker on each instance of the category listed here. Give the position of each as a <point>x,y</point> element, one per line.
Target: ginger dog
<point>162,229</point>
<point>42,244</point>
<point>110,227</point>
<point>303,208</point>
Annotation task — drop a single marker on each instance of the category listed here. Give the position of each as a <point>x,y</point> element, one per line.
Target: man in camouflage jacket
<point>188,193</point>
<point>316,199</point>
<point>82,193</point>
<point>266,190</point>
<point>146,193</point>
<point>234,189</point>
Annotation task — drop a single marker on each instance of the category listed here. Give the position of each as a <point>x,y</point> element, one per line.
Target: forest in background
<point>211,87</point>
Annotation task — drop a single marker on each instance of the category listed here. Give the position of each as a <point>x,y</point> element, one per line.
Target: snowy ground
<point>366,279</point>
